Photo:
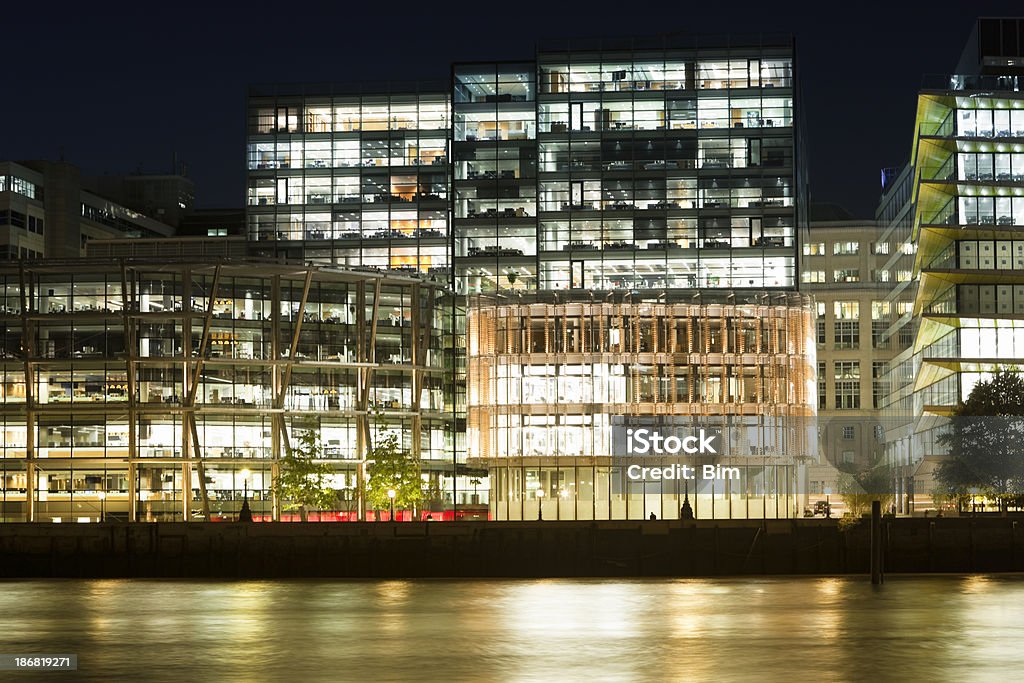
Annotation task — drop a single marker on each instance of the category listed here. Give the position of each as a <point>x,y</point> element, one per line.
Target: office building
<point>551,376</point>
<point>350,176</point>
<point>624,213</point>
<point>963,216</point>
<point>856,280</point>
<point>46,212</point>
<point>166,197</point>
<point>627,165</point>
<point>163,388</point>
<point>631,173</point>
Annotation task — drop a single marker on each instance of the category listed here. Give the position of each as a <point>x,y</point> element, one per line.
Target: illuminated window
<point>814,249</point>
<point>821,329</point>
<point>845,248</point>
<point>879,387</point>
<point>846,275</point>
<point>822,388</point>
<point>847,377</point>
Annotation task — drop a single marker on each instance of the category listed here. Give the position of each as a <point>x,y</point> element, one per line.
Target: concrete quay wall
<point>506,549</point>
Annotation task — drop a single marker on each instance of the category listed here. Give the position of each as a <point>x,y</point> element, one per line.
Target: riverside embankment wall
<point>506,549</point>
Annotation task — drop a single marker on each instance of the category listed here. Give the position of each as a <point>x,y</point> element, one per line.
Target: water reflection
<point>916,628</point>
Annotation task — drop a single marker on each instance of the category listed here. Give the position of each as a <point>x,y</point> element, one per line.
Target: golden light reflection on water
<point>927,628</point>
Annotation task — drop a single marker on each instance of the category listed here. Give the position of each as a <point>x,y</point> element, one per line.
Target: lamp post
<point>540,505</point>
<point>103,505</point>
<point>391,496</point>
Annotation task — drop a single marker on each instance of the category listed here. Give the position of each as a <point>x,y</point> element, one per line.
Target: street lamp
<point>540,505</point>
<point>391,495</point>
<point>103,504</point>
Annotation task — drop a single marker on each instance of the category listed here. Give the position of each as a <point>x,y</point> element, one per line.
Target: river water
<point>795,629</point>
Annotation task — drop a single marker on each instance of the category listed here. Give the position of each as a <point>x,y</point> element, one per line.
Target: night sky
<point>118,88</point>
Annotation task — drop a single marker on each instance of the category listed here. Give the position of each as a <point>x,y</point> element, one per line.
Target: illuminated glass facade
<point>965,222</point>
<point>547,380</point>
<point>350,178</point>
<point>643,164</point>
<point>628,166</point>
<point>145,390</point>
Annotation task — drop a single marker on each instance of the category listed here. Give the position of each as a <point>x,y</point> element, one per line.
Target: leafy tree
<point>859,487</point>
<point>302,482</point>
<point>392,468</point>
<point>985,440</point>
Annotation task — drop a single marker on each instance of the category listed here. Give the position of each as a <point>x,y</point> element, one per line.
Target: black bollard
<point>877,576</point>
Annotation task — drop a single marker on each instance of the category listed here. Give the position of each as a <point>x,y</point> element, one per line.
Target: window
<point>814,249</point>
<point>813,276</point>
<point>845,248</point>
<point>846,329</point>
<point>846,275</point>
<point>848,457</point>
<point>822,387</point>
<point>22,186</point>
<point>847,376</point>
<point>880,248</point>
<point>821,329</point>
<point>880,321</point>
<point>848,433</point>
<point>879,387</point>
<point>847,334</point>
<point>287,119</point>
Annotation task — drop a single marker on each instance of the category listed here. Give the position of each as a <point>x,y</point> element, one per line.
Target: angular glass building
<point>966,227</point>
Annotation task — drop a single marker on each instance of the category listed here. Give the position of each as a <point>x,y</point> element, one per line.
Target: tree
<point>392,468</point>
<point>302,482</point>
<point>985,440</point>
<point>859,487</point>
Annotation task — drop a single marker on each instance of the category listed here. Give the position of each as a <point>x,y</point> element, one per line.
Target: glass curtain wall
<point>547,381</point>
<point>355,180</point>
<point>666,169</point>
<point>495,169</point>
<point>164,391</point>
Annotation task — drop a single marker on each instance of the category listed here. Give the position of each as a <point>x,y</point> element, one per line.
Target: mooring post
<point>877,576</point>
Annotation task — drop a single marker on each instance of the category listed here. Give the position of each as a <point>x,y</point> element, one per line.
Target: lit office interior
<point>351,179</point>
<point>495,176</point>
<point>164,391</point>
<point>546,381</point>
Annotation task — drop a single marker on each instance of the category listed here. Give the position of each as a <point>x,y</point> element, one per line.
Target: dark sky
<point>123,87</point>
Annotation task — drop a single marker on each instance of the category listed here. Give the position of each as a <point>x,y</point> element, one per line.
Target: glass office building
<point>639,168</point>
<point>550,379</point>
<point>966,226</point>
<point>348,177</point>
<point>627,165</point>
<point>639,164</point>
<point>140,389</point>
